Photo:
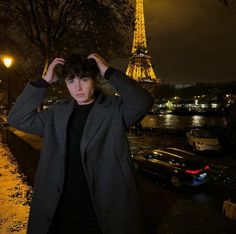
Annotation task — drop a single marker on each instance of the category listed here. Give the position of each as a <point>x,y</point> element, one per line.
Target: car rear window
<point>193,165</point>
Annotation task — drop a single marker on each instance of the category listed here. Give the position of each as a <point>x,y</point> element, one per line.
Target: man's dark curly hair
<point>77,65</point>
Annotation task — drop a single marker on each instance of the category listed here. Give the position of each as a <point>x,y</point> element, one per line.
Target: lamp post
<point>7,61</point>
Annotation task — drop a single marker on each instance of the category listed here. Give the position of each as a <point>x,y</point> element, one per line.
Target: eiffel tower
<point>140,67</point>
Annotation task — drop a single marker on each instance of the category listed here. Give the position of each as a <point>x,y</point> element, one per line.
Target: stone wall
<point>26,149</point>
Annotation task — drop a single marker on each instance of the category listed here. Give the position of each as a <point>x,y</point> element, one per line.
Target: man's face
<point>82,90</point>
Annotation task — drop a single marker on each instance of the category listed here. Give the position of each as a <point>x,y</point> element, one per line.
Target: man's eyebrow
<point>72,78</point>
<point>69,79</point>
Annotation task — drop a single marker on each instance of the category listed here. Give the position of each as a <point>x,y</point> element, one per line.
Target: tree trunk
<point>45,65</point>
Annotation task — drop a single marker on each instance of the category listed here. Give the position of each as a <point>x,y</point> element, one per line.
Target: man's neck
<point>85,103</point>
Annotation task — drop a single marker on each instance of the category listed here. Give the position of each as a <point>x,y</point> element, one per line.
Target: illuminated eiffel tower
<point>140,67</point>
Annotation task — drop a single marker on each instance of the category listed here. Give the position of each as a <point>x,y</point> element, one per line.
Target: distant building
<point>181,86</point>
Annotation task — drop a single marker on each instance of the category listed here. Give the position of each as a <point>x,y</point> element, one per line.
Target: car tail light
<point>194,172</point>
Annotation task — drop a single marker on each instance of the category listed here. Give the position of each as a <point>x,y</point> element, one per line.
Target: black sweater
<point>76,204</point>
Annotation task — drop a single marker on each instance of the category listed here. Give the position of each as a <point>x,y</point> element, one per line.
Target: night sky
<point>191,40</point>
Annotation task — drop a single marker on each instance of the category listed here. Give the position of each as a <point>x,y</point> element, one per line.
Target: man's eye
<point>69,81</point>
<point>85,79</point>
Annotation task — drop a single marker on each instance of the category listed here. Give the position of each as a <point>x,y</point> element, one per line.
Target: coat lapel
<point>62,124</point>
<point>94,120</point>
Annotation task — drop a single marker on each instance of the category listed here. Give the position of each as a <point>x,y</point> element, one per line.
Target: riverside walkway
<point>15,195</point>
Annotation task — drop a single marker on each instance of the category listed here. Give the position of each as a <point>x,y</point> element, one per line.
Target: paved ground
<point>171,210</point>
<point>14,195</point>
<point>179,217</point>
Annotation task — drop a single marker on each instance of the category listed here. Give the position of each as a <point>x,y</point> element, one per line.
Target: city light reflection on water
<point>180,121</point>
<point>197,120</point>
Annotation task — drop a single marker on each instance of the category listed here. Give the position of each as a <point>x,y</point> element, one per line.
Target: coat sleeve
<point>135,101</point>
<point>24,114</point>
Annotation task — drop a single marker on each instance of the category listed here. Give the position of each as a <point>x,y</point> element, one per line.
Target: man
<point>85,181</point>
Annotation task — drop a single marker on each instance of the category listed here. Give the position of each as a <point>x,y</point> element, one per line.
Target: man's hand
<point>102,64</point>
<point>50,75</point>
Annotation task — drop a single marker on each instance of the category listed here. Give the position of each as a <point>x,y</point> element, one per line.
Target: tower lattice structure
<point>140,67</point>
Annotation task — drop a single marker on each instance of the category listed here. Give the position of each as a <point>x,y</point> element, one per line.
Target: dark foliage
<point>230,4</point>
<point>37,31</point>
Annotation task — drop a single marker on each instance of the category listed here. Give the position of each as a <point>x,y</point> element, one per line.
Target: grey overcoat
<point>104,149</point>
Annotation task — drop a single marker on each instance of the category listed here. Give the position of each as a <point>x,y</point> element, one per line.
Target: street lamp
<point>7,61</point>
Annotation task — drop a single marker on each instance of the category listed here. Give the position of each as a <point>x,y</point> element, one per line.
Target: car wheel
<point>175,180</point>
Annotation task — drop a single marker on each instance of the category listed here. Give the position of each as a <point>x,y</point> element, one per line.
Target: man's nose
<point>78,84</point>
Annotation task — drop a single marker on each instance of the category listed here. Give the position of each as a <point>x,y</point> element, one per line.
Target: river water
<point>182,122</point>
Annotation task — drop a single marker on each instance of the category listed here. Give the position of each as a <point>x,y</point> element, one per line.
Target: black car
<point>179,166</point>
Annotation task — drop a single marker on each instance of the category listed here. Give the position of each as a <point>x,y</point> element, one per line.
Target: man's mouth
<point>79,95</point>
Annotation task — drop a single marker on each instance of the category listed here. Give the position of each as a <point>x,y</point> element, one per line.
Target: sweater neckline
<point>86,107</point>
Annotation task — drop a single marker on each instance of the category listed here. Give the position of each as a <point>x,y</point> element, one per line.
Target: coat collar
<point>63,122</point>
<point>94,120</point>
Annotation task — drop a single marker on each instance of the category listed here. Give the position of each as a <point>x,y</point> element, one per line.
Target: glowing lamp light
<point>7,61</point>
<point>214,105</point>
<point>169,105</point>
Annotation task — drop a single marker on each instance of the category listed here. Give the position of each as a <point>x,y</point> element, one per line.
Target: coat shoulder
<point>60,104</point>
<point>110,101</point>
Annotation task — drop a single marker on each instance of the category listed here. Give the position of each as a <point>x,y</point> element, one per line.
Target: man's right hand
<point>50,75</point>
<point>102,64</point>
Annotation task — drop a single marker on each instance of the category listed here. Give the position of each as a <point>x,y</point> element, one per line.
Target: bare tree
<point>35,31</point>
<point>48,28</point>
